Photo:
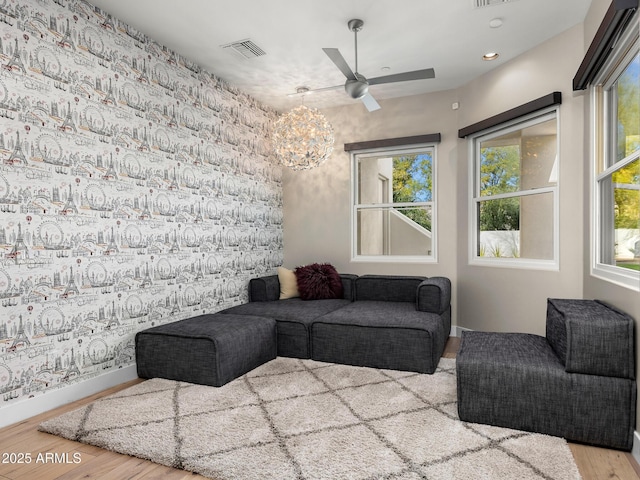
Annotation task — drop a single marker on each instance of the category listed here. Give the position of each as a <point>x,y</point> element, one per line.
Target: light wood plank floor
<point>96,463</point>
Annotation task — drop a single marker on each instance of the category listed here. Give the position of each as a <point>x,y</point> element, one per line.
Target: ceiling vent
<point>244,49</point>
<point>488,3</point>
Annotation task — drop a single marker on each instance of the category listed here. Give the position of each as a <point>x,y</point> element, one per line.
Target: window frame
<point>355,154</point>
<point>475,197</point>
<point>603,150</point>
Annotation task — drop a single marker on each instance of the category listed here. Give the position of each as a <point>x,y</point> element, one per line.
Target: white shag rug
<point>301,419</point>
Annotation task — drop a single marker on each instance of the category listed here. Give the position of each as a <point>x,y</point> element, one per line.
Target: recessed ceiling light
<point>490,56</point>
<point>495,23</point>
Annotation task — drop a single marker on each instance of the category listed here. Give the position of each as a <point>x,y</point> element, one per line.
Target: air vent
<point>244,49</point>
<point>488,3</point>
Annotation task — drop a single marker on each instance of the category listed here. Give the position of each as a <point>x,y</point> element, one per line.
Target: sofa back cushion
<point>348,286</point>
<point>264,289</point>
<point>387,288</point>
<point>591,337</point>
<point>267,289</point>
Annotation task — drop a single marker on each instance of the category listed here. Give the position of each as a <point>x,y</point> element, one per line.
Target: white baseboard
<point>456,331</point>
<point>635,449</point>
<point>30,407</point>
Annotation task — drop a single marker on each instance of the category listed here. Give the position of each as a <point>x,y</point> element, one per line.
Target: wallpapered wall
<point>135,189</point>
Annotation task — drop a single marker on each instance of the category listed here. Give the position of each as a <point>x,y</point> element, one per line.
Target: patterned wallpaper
<point>135,189</point>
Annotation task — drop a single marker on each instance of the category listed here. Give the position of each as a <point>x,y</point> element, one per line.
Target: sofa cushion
<point>387,288</point>
<point>379,334</point>
<point>293,320</point>
<point>591,337</point>
<point>292,309</point>
<point>319,281</point>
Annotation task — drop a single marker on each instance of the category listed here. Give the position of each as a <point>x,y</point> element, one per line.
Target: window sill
<point>393,259</point>
<point>619,276</point>
<point>520,263</point>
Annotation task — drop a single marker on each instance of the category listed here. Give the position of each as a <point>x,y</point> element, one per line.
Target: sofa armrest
<point>434,295</point>
<point>264,289</point>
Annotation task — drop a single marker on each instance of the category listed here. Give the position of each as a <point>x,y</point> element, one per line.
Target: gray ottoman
<point>208,349</point>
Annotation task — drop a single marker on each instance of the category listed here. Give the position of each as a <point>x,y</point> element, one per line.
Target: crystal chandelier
<point>302,138</point>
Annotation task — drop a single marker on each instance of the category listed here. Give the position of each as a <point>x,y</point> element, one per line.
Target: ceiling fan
<point>357,86</point>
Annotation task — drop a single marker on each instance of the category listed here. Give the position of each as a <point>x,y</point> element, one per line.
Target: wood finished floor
<point>95,463</point>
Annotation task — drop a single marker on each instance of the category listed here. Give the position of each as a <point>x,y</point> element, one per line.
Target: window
<point>394,204</point>
<point>514,187</point>
<point>616,133</point>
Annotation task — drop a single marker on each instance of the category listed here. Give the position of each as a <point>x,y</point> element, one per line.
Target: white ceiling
<point>448,35</point>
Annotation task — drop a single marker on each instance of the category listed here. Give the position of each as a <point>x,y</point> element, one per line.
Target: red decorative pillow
<point>318,281</point>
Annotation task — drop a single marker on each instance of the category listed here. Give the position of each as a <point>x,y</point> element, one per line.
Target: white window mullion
<point>520,193</point>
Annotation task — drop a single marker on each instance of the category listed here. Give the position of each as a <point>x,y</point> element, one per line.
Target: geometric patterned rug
<point>302,419</point>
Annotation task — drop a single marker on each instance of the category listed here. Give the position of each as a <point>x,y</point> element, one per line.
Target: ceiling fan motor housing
<point>357,88</point>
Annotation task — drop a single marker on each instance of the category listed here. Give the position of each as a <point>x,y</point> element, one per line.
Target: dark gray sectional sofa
<point>382,321</point>
<point>393,322</point>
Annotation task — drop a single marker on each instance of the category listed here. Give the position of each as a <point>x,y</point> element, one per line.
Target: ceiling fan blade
<point>337,58</point>
<point>404,77</point>
<point>370,102</point>
<point>315,90</point>
<point>325,89</point>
